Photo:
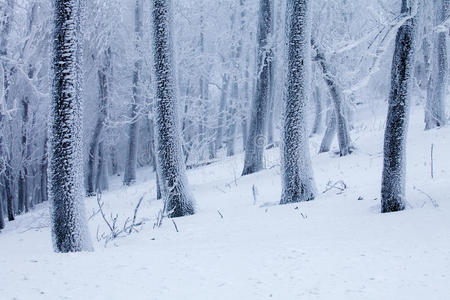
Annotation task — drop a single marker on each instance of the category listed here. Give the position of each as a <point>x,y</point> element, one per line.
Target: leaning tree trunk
<point>297,176</point>
<point>337,100</point>
<point>256,141</point>
<point>438,116</point>
<point>66,192</point>
<point>99,127</point>
<point>393,179</point>
<point>131,161</point>
<point>172,171</point>
<point>318,111</point>
<point>330,131</point>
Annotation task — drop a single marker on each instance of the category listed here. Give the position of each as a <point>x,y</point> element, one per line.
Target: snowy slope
<point>336,247</point>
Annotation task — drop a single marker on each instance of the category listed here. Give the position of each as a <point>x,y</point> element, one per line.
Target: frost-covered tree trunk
<point>317,126</point>
<point>393,179</point>
<point>2,219</point>
<point>297,176</point>
<point>171,168</point>
<point>256,141</point>
<point>330,131</point>
<point>101,178</point>
<point>66,192</point>
<point>99,127</point>
<point>222,111</point>
<point>437,116</point>
<point>231,132</point>
<point>337,101</point>
<point>131,161</point>
<point>43,171</point>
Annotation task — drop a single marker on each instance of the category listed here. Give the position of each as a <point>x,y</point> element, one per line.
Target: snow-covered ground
<point>336,247</point>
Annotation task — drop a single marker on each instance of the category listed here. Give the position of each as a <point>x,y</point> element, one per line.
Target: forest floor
<point>242,245</point>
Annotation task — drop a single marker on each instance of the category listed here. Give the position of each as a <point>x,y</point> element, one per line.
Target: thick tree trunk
<point>66,192</point>
<point>254,149</point>
<point>337,100</point>
<point>393,179</point>
<point>297,176</point>
<point>175,189</point>
<point>131,161</point>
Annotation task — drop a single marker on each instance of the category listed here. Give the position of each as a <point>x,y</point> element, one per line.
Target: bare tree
<point>172,171</point>
<point>297,176</point>
<point>393,179</point>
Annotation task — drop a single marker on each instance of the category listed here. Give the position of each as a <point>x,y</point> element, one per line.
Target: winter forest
<point>227,149</point>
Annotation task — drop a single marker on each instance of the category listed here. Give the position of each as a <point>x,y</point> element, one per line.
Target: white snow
<point>335,247</point>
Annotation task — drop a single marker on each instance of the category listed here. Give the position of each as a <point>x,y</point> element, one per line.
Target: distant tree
<point>131,160</point>
<point>393,179</point>
<point>297,176</point>
<point>172,172</point>
<point>435,114</point>
<point>66,191</point>
<point>256,140</point>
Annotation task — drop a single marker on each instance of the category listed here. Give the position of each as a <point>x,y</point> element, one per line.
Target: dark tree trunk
<point>318,111</point>
<point>393,179</point>
<point>297,176</point>
<point>175,189</point>
<point>254,149</point>
<point>66,192</point>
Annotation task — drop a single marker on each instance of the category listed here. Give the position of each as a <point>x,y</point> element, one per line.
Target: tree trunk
<point>330,131</point>
<point>318,111</point>
<point>393,178</point>
<point>337,100</point>
<point>254,149</point>
<point>44,167</point>
<point>175,189</point>
<point>222,111</point>
<point>93,158</point>
<point>101,181</point>
<point>438,116</point>
<point>297,176</point>
<point>69,226</point>
<point>131,161</point>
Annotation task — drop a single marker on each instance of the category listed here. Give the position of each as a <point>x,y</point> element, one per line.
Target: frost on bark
<point>435,114</point>
<point>172,172</point>
<point>297,176</point>
<point>66,191</point>
<point>131,160</point>
<point>337,101</point>
<point>393,178</point>
<point>330,131</point>
<point>318,111</point>
<point>256,140</point>
<point>94,150</point>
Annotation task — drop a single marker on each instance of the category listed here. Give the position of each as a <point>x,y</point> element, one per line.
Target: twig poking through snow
<point>255,194</point>
<point>339,185</point>
<point>433,202</point>
<point>432,164</point>
<point>221,216</point>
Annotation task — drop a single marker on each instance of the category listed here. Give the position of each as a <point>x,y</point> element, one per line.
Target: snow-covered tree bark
<point>99,127</point>
<point>222,111</point>
<point>337,100</point>
<point>131,160</point>
<point>297,176</point>
<point>66,192</point>
<point>436,115</point>
<point>317,126</point>
<point>172,172</point>
<point>393,179</point>
<point>256,141</point>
